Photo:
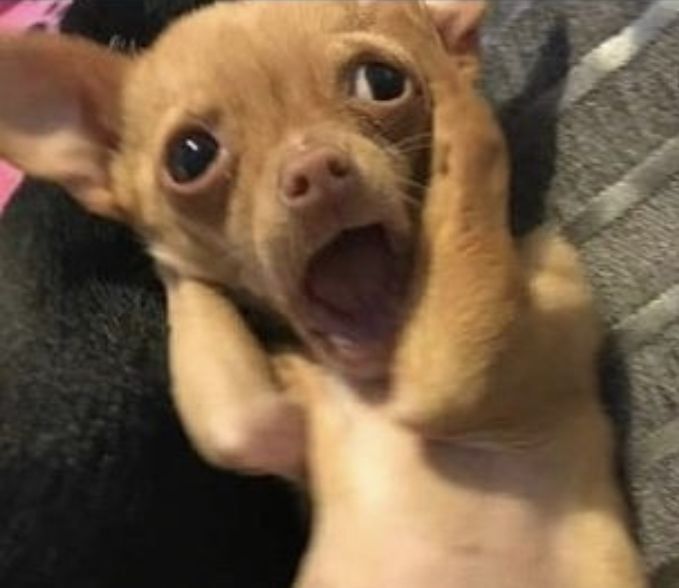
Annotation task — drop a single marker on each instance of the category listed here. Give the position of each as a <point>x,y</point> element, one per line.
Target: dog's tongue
<point>354,278</point>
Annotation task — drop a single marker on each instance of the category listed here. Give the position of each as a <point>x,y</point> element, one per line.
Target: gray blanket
<point>589,94</point>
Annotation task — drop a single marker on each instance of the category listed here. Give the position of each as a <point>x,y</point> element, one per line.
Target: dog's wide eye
<point>190,155</point>
<point>379,82</point>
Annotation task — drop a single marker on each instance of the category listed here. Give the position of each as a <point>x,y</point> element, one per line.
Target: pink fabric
<point>9,181</point>
<point>21,15</point>
<point>26,13</point>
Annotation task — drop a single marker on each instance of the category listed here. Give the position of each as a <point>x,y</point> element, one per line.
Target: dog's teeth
<point>342,343</point>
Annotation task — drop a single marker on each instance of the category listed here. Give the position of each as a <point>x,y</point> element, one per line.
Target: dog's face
<point>280,149</point>
<point>289,161</point>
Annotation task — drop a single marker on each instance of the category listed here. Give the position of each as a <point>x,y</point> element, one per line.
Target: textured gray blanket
<point>589,92</point>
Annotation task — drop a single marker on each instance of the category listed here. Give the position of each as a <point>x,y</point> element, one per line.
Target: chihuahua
<point>333,164</point>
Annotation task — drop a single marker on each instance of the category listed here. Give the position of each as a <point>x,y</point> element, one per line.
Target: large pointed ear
<point>458,23</point>
<point>60,113</point>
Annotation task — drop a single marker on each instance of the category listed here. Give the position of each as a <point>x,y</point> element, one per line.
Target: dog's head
<point>280,148</point>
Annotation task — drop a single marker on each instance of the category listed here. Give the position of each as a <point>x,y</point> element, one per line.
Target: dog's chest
<point>391,513</point>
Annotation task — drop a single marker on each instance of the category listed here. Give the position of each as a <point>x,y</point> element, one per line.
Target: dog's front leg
<point>469,289</point>
<point>224,389</point>
<point>495,323</point>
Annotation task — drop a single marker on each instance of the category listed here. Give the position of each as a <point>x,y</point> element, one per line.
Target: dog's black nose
<point>317,175</point>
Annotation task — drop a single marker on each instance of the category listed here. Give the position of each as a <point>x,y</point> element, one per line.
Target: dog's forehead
<point>273,21</point>
<point>229,42</point>
<point>236,55</point>
<point>230,31</point>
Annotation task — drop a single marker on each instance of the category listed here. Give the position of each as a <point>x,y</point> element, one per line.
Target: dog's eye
<point>190,155</point>
<point>379,82</point>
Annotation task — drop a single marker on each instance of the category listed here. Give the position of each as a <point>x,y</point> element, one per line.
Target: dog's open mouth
<point>355,288</point>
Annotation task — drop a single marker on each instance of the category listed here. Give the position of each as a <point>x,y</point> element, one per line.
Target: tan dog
<point>314,169</point>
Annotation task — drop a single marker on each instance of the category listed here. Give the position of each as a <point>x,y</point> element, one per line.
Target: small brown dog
<point>291,170</point>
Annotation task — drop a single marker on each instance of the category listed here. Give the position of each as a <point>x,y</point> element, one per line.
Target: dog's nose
<point>317,175</point>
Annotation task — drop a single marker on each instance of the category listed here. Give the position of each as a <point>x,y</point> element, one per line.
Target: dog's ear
<point>60,113</point>
<point>458,23</point>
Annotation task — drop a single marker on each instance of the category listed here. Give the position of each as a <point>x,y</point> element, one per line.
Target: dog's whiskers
<point>407,186</point>
<point>414,142</point>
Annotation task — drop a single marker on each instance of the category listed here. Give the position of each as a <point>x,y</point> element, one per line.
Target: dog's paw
<point>267,439</point>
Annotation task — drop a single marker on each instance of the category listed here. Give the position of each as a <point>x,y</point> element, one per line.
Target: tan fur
<point>213,352</point>
<point>519,490</point>
<point>488,461</point>
<point>235,232</point>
